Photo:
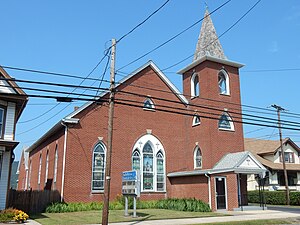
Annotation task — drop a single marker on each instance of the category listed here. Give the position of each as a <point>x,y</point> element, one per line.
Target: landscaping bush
<point>191,205</point>
<point>274,197</point>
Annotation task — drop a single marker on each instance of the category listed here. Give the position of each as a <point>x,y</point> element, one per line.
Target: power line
<point>172,38</point>
<point>291,123</point>
<point>233,25</point>
<point>141,23</point>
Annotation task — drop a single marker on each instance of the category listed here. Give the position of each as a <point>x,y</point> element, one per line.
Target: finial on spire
<point>206,5</point>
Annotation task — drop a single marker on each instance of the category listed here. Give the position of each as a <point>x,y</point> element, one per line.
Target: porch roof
<point>239,162</point>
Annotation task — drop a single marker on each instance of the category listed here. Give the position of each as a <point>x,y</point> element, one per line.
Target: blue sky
<point>70,37</point>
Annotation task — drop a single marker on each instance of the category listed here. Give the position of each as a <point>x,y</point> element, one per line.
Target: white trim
<point>210,58</point>
<point>64,163</point>
<point>156,146</point>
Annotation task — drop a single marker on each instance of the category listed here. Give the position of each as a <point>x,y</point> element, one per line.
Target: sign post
<point>131,187</point>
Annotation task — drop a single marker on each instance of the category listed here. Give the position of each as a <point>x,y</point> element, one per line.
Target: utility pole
<point>110,135</point>
<point>279,109</point>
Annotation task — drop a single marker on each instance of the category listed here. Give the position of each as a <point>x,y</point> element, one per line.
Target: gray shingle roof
<point>208,43</point>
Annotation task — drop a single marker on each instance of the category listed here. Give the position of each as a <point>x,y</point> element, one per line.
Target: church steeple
<point>208,43</point>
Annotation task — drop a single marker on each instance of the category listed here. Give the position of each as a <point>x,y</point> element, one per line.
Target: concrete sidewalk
<point>235,216</point>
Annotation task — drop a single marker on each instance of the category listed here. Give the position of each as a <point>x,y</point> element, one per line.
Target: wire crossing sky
<point>73,41</point>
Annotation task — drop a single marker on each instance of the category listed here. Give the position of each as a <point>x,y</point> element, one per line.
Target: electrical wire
<point>141,23</point>
<point>173,37</point>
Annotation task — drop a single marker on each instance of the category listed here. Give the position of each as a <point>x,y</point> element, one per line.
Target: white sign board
<point>131,183</point>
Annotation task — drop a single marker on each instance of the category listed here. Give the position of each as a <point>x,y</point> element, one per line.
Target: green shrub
<point>191,205</point>
<point>274,197</point>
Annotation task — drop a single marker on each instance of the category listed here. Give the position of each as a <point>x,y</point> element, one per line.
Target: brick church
<point>186,145</point>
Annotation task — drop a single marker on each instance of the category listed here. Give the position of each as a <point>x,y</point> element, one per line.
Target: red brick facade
<point>174,130</point>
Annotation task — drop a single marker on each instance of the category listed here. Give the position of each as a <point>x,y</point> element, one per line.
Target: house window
<point>197,158</point>
<point>225,122</point>
<point>196,120</point>
<point>223,81</point>
<point>148,104</point>
<point>98,169</point>
<point>47,165</point>
<point>1,121</point>
<point>55,164</point>
<point>195,87</point>
<point>40,170</point>
<point>148,157</point>
<point>288,157</point>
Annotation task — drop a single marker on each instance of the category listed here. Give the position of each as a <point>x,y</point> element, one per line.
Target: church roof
<point>208,42</point>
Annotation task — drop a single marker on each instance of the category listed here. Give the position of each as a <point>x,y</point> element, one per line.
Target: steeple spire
<point>208,43</point>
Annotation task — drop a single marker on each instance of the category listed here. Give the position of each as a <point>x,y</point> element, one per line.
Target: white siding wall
<point>4,179</point>
<point>10,121</point>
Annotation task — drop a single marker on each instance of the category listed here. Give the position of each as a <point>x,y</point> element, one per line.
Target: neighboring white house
<point>269,154</point>
<point>12,102</point>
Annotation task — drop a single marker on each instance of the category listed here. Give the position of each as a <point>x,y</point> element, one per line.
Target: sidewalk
<point>236,216</point>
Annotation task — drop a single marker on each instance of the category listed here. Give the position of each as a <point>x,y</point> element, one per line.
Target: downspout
<point>64,163</point>
<point>209,189</point>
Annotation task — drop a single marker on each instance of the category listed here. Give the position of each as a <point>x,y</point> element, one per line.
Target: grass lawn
<point>94,217</point>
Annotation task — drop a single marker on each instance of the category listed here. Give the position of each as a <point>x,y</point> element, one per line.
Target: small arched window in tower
<point>223,81</point>
<point>148,104</point>
<point>197,158</point>
<point>195,86</point>
<point>196,120</point>
<point>225,122</point>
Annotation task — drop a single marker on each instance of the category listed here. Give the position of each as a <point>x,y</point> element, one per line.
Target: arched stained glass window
<point>136,160</point>
<point>148,104</point>
<point>55,165</point>
<point>160,171</point>
<point>148,167</point>
<point>197,157</point>
<point>98,170</point>
<point>225,122</point>
<point>148,156</point>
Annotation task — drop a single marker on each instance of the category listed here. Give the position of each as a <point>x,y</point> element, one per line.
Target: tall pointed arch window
<point>197,158</point>
<point>148,104</point>
<point>225,122</point>
<point>195,87</point>
<point>47,166</point>
<point>223,81</point>
<point>98,170</point>
<point>148,156</point>
<point>55,164</point>
<point>40,170</point>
